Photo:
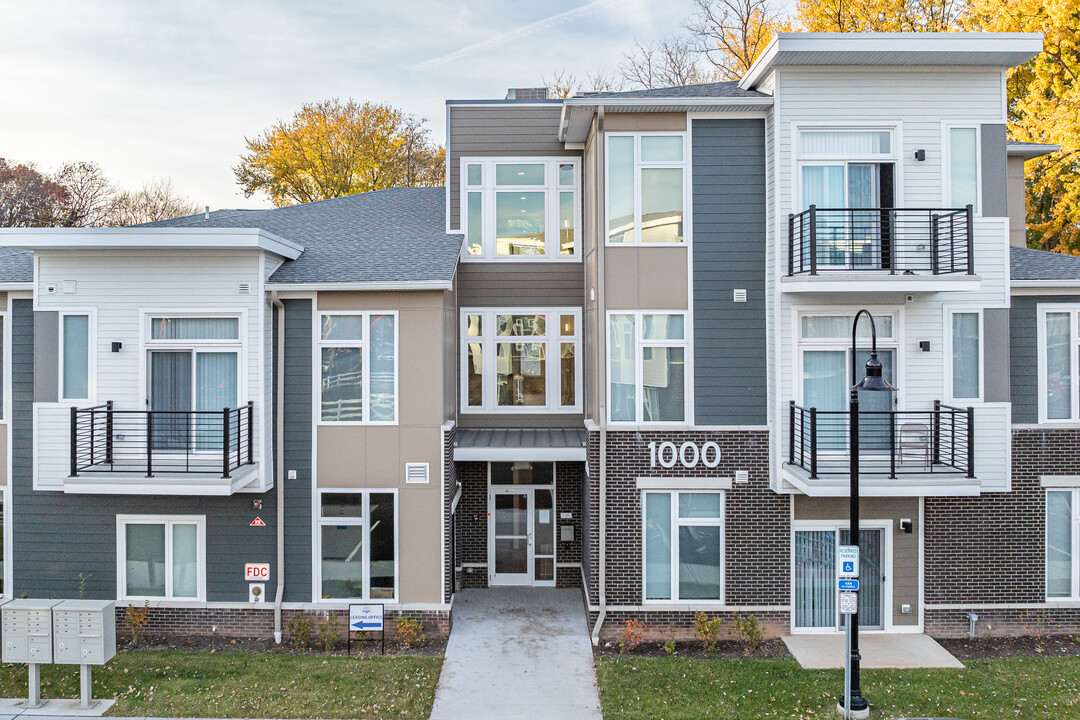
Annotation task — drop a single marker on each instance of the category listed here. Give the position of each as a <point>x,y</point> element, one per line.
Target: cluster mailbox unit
<point>69,632</point>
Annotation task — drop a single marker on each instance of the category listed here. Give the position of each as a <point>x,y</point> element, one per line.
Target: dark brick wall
<point>450,481</point>
<point>664,625</point>
<point>1003,622</point>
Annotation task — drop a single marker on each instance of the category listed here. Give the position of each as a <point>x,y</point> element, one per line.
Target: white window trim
<point>950,311</point>
<point>91,354</point>
<point>946,164</point>
<point>320,521</point>
<point>122,521</point>
<point>896,143</point>
<point>639,368</point>
<point>551,189</point>
<point>676,523</point>
<point>1074,595</point>
<point>365,369</point>
<point>1074,362</point>
<point>639,164</point>
<point>489,341</point>
<point>7,540</point>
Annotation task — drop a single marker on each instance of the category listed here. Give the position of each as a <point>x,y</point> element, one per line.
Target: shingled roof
<point>1028,264</point>
<point>395,235</point>
<point>16,266</point>
<point>718,89</point>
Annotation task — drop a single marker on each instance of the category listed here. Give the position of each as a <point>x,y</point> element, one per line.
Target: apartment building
<point>613,354</point>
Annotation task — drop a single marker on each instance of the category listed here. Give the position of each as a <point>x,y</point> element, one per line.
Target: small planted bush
<point>708,629</point>
<point>410,631</point>
<point>299,627</point>
<point>136,620</point>
<point>633,632</point>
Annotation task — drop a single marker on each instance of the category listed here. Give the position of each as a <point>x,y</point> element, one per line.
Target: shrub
<point>84,578</point>
<point>631,637</point>
<point>136,620</point>
<point>708,629</point>
<point>669,647</point>
<point>299,627</point>
<point>328,632</point>
<point>748,629</point>
<point>410,631</point>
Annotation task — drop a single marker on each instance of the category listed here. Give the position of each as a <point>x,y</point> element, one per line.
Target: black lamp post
<point>873,382</point>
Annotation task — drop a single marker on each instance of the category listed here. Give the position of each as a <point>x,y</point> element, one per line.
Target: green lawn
<point>240,684</point>
<point>678,688</point>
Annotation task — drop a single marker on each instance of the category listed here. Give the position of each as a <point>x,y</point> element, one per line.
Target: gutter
<point>601,355</point>
<point>372,285</point>
<point>279,465</point>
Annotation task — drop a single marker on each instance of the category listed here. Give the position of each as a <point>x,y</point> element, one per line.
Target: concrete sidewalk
<point>11,708</point>
<point>517,654</point>
<point>878,650</point>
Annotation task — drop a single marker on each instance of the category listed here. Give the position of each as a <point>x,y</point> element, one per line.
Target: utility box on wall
<point>84,632</point>
<point>27,627</point>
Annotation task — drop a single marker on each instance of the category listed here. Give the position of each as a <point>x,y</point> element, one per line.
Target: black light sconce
<point>906,526</point>
<point>920,155</point>
<point>924,345</point>
<point>117,345</point>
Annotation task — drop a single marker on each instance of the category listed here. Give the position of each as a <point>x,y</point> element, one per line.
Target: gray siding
<point>297,455</point>
<point>995,172</point>
<point>729,254</point>
<point>996,382</point>
<point>47,352</point>
<point>1024,353</point>
<point>506,130</point>
<point>521,284</point>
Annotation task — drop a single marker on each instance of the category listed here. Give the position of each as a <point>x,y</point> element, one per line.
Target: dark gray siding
<point>1024,353</point>
<point>994,172</point>
<point>729,254</point>
<point>46,365</point>
<point>996,382</point>
<point>58,536</point>
<point>297,454</point>
<point>507,130</point>
<point>519,284</point>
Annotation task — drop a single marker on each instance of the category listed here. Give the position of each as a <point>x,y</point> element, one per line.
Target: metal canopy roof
<point>520,444</point>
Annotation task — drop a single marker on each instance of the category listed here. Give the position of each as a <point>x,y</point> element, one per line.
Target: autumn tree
<point>732,33</point>
<point>332,148</point>
<point>29,198</point>
<point>90,195</point>
<point>561,84</point>
<point>154,201</point>
<point>668,63</point>
<point>877,15</point>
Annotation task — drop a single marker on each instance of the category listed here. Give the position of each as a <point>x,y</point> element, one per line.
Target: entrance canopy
<point>520,444</point>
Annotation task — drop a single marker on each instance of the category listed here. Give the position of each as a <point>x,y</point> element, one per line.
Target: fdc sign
<point>257,572</point>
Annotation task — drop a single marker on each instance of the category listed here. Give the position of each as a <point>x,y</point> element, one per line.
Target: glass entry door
<point>185,380</point>
<point>815,578</point>
<point>521,536</point>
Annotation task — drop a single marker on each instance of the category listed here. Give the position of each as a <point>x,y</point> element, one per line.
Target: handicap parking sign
<point>848,565</point>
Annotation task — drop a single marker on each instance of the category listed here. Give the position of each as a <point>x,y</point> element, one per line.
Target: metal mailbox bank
<point>27,627</point>
<point>84,632</point>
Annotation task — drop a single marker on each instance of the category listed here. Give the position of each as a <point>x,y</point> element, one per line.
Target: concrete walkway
<point>878,650</point>
<point>517,654</point>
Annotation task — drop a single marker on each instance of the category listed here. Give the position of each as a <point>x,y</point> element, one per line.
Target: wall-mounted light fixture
<point>117,345</point>
<point>920,155</point>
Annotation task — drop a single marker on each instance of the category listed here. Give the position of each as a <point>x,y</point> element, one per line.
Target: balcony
<point>881,249</point>
<point>161,451</point>
<point>929,452</point>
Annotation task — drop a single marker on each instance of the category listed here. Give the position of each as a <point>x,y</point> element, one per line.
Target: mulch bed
<point>217,643</point>
<point>1006,647</point>
<point>725,650</point>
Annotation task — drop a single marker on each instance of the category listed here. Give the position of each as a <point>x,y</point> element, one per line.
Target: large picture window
<point>521,208</point>
<point>357,536</point>
<point>646,188</point>
<point>647,367</point>
<point>684,545</point>
<point>521,360</point>
<point>161,557</point>
<point>357,357</point>
<point>1063,544</point>
<point>1059,350</point>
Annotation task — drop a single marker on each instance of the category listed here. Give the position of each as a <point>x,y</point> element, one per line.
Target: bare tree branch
<point>732,33</point>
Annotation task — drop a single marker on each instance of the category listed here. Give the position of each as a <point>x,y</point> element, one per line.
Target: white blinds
<point>846,143</point>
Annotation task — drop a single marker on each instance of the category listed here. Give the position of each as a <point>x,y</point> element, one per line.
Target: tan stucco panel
<point>419,543</point>
<point>905,546</point>
<point>646,278</point>
<point>635,122</point>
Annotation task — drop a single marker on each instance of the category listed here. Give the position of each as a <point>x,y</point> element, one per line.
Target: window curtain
<point>871,587</point>
<point>170,395</point>
<point>965,355</point>
<point>182,328</point>
<point>815,578</point>
<point>846,143</point>
<point>215,379</point>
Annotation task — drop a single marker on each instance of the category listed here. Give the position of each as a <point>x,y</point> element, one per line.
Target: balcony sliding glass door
<point>182,381</point>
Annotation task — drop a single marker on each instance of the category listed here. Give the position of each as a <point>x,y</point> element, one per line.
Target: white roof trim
<point>149,238</point>
<point>1030,151</point>
<point>511,454</point>
<point>1045,283</point>
<point>629,103</point>
<point>15,286</point>
<point>372,285</point>
<point>986,49</point>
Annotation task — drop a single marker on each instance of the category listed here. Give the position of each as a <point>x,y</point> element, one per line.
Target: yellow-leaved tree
<point>333,148</point>
<point>877,15</point>
<point>1044,107</point>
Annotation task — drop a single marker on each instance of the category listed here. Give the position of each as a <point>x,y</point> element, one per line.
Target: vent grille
<point>244,288</point>
<point>742,476</point>
<point>69,287</point>
<point>740,295</point>
<point>416,472</point>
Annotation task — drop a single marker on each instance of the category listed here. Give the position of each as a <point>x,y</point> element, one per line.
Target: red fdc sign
<point>256,572</point>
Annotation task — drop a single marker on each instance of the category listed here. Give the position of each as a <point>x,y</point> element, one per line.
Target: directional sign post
<point>366,618</point>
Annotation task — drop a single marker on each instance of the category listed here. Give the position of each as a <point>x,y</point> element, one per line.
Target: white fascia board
<point>140,238</point>
<point>373,285</point>
<point>931,49</point>
<point>1030,151</point>
<point>1045,283</point>
<point>653,102</point>
<point>16,286</point>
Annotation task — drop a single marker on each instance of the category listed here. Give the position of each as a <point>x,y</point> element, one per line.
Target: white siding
<point>118,286</point>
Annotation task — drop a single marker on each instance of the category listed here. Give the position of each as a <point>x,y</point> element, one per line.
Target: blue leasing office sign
<point>847,585</point>
<point>364,618</point>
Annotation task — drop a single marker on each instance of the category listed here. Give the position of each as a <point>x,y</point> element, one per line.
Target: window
<point>357,544</point>
<point>521,360</point>
<point>646,179</point>
<point>75,352</point>
<point>647,367</point>
<point>161,557</point>
<point>1058,338</point>
<point>1063,544</point>
<point>966,354</point>
<point>521,208</point>
<point>963,167</point>
<point>684,545</point>
<point>353,389</point>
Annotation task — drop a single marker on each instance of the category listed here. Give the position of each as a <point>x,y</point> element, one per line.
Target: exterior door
<point>815,593</point>
<point>521,536</point>
<point>182,381</point>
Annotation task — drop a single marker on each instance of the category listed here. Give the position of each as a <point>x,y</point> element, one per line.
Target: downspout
<point>279,463</point>
<point>601,359</point>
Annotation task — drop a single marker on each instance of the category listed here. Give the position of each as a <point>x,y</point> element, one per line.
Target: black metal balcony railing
<point>935,441</point>
<point>897,241</point>
<point>161,441</point>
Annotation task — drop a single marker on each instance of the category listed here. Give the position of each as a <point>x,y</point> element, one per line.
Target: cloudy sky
<point>149,88</point>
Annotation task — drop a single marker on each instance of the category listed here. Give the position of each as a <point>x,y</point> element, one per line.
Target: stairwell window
<point>516,209</point>
<point>357,358</point>
<point>1063,544</point>
<point>684,545</point>
<point>357,541</point>
<point>1059,348</point>
<point>646,181</point>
